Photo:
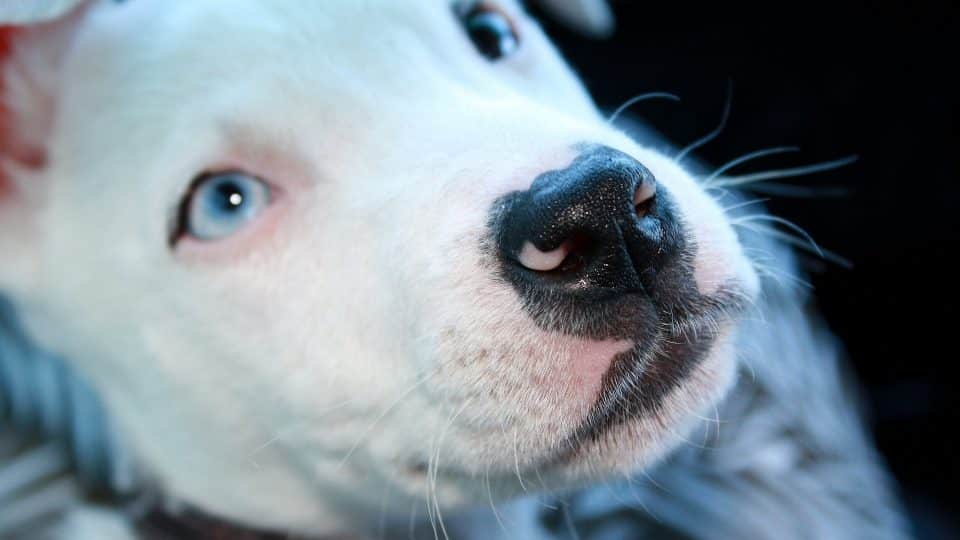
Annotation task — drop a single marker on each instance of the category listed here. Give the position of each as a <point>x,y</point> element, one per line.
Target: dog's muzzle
<point>599,251</point>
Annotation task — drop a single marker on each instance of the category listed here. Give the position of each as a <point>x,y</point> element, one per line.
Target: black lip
<point>639,380</point>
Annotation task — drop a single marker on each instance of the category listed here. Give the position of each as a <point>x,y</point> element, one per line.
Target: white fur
<point>294,376</point>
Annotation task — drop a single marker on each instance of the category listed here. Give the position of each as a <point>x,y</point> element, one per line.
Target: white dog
<point>331,264</point>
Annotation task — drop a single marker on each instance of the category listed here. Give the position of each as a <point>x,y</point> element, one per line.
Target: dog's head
<point>322,257</point>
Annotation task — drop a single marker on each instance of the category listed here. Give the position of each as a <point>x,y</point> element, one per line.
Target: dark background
<point>835,80</point>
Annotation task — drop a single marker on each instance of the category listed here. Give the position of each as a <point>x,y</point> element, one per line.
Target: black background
<point>835,80</point>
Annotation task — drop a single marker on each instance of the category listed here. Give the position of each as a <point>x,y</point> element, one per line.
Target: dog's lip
<point>661,368</point>
<point>661,364</point>
<point>610,413</point>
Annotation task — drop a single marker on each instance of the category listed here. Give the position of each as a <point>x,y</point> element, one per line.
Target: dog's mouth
<point>648,352</point>
<point>667,344</point>
<point>638,382</point>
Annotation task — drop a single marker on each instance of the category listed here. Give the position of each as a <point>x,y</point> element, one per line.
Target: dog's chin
<point>625,431</point>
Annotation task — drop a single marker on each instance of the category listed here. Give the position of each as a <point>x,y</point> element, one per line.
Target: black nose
<point>600,225</point>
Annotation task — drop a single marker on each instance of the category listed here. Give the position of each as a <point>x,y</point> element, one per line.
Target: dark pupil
<point>491,33</point>
<point>229,197</point>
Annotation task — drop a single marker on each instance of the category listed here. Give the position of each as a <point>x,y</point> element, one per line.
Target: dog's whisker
<point>761,260</point>
<point>724,117</point>
<point>800,243</point>
<point>436,499</point>
<point>793,172</point>
<point>412,523</point>
<point>436,465</point>
<point>804,242</point>
<point>616,493</point>
<point>716,416</point>
<point>681,438</point>
<point>784,279</point>
<point>281,433</point>
<point>797,192</point>
<point>744,204</point>
<point>546,489</point>
<point>429,498</point>
<point>646,474</point>
<point>757,154</point>
<point>633,484</point>
<point>516,460</point>
<point>493,507</point>
<point>568,521</point>
<point>637,99</point>
<point>781,221</point>
<point>433,507</point>
<point>263,447</point>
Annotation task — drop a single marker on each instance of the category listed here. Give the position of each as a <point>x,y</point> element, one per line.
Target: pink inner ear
<point>6,42</point>
<point>10,147</point>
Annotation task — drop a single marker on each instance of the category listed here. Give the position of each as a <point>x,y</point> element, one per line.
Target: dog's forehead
<point>247,34</point>
<point>142,57</point>
<point>331,23</point>
<point>151,51</point>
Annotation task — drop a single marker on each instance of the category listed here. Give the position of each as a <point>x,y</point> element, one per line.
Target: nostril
<point>572,255</point>
<point>644,197</point>
<point>543,261</point>
<point>569,257</point>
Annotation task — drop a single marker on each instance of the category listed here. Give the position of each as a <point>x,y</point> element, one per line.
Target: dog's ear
<point>34,36</point>
<point>592,17</point>
<point>25,12</point>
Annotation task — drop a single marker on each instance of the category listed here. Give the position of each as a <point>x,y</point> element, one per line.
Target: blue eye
<point>221,204</point>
